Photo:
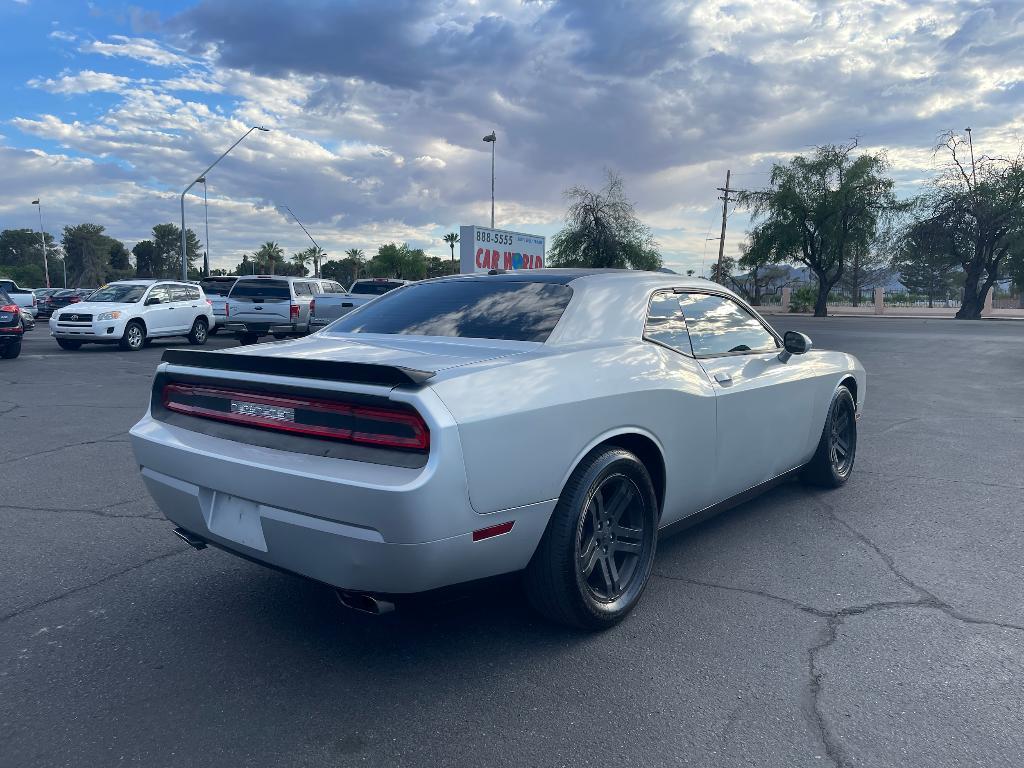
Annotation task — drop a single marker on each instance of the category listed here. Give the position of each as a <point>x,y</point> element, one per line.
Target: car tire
<point>134,337</point>
<point>69,344</point>
<point>837,448</point>
<point>11,351</point>
<point>248,338</point>
<point>597,552</point>
<point>198,335</point>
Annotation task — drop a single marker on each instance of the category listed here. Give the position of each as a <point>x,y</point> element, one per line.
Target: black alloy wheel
<point>597,553</point>
<point>832,463</point>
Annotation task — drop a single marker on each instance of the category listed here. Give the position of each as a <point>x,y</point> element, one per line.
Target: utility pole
<point>970,143</point>
<point>42,241</point>
<point>725,215</point>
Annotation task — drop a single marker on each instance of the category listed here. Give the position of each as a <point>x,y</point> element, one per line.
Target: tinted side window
<point>666,324</point>
<point>477,309</point>
<point>193,293</point>
<point>718,325</point>
<point>159,292</point>
<point>302,289</point>
<point>179,293</point>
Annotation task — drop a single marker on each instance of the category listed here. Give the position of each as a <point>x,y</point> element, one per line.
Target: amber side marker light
<point>492,531</point>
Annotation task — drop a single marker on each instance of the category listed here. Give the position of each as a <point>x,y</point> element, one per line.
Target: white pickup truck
<point>23,297</point>
<point>328,307</point>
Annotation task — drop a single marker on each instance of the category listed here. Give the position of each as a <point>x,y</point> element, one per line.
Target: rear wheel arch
<point>642,445</point>
<point>851,384</point>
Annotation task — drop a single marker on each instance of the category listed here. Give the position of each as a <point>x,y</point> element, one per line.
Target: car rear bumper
<point>262,329</point>
<point>354,525</point>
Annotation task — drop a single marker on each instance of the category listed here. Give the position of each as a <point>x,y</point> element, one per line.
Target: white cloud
<point>139,48</point>
<point>86,81</point>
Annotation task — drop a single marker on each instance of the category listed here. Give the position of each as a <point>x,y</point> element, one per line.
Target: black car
<point>11,327</point>
<point>43,296</point>
<point>63,298</point>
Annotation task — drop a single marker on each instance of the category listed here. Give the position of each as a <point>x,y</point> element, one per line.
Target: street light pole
<point>184,246</point>
<point>970,143</point>
<point>492,139</point>
<point>42,239</point>
<point>206,213</point>
<point>316,261</point>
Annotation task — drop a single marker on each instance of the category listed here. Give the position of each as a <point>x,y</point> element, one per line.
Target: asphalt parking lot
<point>878,625</point>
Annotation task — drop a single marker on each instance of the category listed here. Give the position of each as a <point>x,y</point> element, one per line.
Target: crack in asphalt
<point>834,620</point>
<point>109,577</point>
<point>107,439</point>
<point>903,475</point>
<point>77,510</point>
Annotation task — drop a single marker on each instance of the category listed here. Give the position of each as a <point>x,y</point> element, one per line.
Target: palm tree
<point>355,258</point>
<point>301,259</point>
<point>318,255</point>
<point>270,253</point>
<point>452,238</point>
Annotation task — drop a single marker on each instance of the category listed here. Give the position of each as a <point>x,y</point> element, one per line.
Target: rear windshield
<point>374,288</point>
<point>475,309</point>
<point>217,287</point>
<point>261,289</point>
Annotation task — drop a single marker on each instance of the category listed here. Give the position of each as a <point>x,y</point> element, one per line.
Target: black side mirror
<point>794,343</point>
<point>152,300</point>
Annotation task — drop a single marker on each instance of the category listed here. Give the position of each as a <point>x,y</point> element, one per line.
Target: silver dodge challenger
<point>551,422</point>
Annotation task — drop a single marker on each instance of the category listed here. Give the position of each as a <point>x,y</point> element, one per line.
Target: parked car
<point>470,426</point>
<point>132,312</point>
<point>23,297</point>
<point>262,305</point>
<point>27,321</point>
<point>12,327</point>
<point>327,309</point>
<point>66,297</point>
<point>217,289</point>
<point>43,309</point>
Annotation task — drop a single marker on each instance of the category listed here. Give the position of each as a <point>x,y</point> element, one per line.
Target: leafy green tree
<point>602,230</point>
<point>399,261</point>
<point>88,254</point>
<point>167,251</point>
<point>301,260</point>
<point>817,210</point>
<point>270,253</point>
<point>929,255</point>
<point>981,204</point>
<point>452,239</point>
<point>144,252</point>
<point>22,247</point>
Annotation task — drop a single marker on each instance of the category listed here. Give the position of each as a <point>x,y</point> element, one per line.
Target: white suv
<point>131,312</point>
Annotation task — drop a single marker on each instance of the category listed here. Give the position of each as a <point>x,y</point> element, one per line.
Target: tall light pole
<point>184,246</point>
<point>492,139</point>
<point>319,250</point>
<point>206,213</point>
<point>42,241</point>
<point>970,143</point>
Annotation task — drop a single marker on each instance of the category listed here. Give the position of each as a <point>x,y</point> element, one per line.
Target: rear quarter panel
<point>524,426</point>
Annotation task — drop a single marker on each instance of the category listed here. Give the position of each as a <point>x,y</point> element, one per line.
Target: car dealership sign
<point>482,249</point>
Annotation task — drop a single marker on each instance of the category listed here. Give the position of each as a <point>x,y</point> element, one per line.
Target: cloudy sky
<point>377,108</point>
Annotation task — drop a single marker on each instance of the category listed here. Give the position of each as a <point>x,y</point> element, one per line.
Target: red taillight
<point>9,308</point>
<point>492,531</point>
<point>209,302</point>
<point>227,309</point>
<point>311,417</point>
<point>293,312</point>
<point>74,299</point>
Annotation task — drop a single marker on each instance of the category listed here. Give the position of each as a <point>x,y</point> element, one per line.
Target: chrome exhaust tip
<point>190,538</point>
<point>363,603</point>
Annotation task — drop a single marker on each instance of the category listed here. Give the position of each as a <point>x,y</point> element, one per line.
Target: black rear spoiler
<point>304,368</point>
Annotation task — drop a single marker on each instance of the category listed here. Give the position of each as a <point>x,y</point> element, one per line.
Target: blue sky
<point>377,108</point>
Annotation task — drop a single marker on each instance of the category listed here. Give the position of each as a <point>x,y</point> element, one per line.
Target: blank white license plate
<point>238,520</point>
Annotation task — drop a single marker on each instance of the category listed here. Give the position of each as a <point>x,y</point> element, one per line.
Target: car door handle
<point>723,378</point>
